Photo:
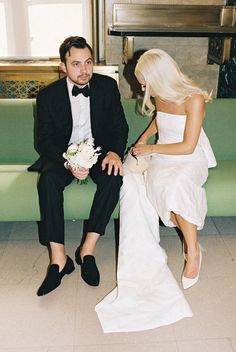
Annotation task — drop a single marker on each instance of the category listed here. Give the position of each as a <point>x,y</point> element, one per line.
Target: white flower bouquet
<point>83,154</point>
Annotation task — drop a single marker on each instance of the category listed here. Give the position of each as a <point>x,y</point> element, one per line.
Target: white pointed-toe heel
<point>189,282</point>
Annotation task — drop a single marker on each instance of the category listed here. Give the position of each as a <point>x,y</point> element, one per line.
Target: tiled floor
<point>65,320</point>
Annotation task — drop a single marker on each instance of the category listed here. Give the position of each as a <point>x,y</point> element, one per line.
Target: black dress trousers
<point>53,179</point>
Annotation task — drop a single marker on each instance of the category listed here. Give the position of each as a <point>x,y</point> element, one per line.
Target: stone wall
<point>190,53</point>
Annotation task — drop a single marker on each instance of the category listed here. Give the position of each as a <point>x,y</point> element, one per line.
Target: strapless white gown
<point>147,295</point>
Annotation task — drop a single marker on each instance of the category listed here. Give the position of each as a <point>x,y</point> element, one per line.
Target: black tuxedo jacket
<point>54,118</point>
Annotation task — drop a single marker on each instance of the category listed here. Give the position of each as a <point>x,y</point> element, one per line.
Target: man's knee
<point>54,176</point>
<point>47,178</point>
<point>113,181</point>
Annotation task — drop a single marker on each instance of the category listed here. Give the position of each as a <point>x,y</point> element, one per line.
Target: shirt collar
<point>70,85</point>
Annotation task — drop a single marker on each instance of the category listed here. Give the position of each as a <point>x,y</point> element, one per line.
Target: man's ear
<point>63,67</point>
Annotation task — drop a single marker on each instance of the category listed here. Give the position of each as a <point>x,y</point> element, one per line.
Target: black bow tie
<point>76,90</point>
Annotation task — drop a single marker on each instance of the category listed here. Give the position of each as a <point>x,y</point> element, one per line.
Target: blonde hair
<point>161,75</point>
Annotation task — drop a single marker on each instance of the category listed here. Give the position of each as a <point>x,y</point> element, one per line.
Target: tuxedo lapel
<point>64,115</point>
<point>63,99</point>
<point>95,104</point>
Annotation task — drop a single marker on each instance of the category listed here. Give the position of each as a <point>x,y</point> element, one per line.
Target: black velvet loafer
<point>89,270</point>
<point>54,277</point>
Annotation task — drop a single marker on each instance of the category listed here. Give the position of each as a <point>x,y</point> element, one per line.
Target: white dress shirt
<point>80,108</point>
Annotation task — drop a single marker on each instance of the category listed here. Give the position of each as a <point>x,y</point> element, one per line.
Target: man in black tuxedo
<point>79,106</point>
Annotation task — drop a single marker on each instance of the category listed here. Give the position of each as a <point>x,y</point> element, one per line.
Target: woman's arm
<point>148,133</point>
<point>195,111</point>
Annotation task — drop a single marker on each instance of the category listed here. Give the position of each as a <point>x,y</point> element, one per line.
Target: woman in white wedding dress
<point>147,295</point>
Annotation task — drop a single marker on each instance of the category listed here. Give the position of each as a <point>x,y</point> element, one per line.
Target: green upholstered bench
<point>220,126</point>
<point>18,187</point>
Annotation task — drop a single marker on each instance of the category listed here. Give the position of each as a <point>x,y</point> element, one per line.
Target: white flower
<point>72,149</point>
<point>83,154</point>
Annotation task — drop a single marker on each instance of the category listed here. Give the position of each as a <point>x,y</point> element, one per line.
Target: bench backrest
<point>17,128</point>
<point>16,131</point>
<point>219,125</point>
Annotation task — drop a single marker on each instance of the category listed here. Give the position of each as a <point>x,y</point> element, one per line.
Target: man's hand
<point>78,172</point>
<point>113,162</point>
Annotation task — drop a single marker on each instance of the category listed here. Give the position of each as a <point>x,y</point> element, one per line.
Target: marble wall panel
<point>190,53</point>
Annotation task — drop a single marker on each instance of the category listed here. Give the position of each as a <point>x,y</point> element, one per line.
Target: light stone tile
<point>225,224</point>
<point>24,230</point>
<point>206,345</point>
<point>171,244</point>
<point>27,320</point>
<point>173,248</point>
<point>166,231</point>
<point>73,230</point>
<point>106,259</point>
<point>230,243</point>
<point>209,227</point>
<point>226,291</point>
<point>61,349</point>
<point>18,264</point>
<point>25,349</point>
<point>28,230</point>
<point>25,262</point>
<point>214,312</point>
<point>120,347</point>
<point>22,268</point>
<point>3,246</point>
<point>110,229</point>
<point>5,230</point>
<point>217,259</point>
<point>233,342</point>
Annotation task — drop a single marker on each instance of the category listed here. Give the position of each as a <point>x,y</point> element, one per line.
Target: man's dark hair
<point>70,42</point>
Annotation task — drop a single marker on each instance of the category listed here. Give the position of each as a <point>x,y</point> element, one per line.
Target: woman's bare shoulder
<point>195,99</point>
<point>195,102</point>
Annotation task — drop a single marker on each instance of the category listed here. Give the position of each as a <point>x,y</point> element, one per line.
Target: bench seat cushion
<point>19,197</point>
<point>221,189</point>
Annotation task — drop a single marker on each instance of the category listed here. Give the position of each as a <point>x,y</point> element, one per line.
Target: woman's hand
<point>78,172</point>
<point>142,149</point>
